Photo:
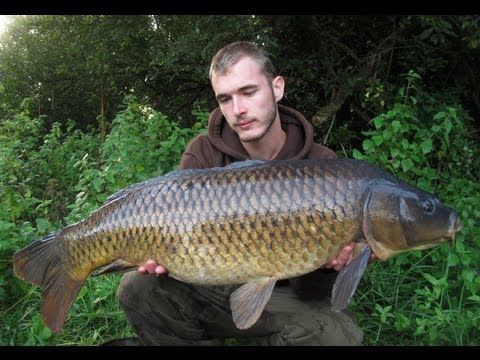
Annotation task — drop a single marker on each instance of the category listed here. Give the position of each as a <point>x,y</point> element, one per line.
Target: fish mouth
<point>454,228</point>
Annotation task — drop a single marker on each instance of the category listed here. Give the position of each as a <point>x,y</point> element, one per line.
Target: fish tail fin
<point>39,263</point>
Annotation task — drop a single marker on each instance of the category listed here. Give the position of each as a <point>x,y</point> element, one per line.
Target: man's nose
<point>238,107</point>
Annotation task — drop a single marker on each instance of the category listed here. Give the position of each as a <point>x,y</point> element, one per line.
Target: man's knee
<point>310,322</point>
<point>136,287</point>
<point>127,286</point>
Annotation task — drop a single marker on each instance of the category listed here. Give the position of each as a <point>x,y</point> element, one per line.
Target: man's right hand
<point>151,267</point>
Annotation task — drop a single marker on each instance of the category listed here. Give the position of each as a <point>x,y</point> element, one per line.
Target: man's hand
<point>151,267</point>
<point>345,257</point>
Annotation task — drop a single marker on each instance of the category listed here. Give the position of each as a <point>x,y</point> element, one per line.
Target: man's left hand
<point>344,258</point>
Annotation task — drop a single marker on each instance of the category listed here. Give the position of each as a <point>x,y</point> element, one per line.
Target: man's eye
<point>223,100</point>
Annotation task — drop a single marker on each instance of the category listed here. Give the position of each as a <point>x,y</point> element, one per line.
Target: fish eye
<point>428,205</point>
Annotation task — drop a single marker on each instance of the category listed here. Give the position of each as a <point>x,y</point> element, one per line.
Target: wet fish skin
<point>244,223</point>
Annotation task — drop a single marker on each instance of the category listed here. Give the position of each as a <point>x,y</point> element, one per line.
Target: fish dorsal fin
<point>348,279</point>
<point>245,164</point>
<point>119,194</point>
<point>248,301</point>
<point>178,174</point>
<point>156,181</point>
<point>117,266</point>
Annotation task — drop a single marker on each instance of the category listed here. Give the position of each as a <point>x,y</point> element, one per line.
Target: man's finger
<point>160,270</point>
<point>151,265</point>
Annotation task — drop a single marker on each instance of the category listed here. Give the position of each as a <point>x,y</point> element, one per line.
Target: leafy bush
<point>430,297</point>
<point>46,175</point>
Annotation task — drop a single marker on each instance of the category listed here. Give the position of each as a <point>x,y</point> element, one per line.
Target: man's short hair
<point>232,53</point>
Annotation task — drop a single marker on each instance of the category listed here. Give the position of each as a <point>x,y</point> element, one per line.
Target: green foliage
<point>36,184</point>
<point>422,138</point>
<point>46,175</point>
<point>74,67</point>
<point>430,297</point>
<point>472,31</point>
<point>81,67</point>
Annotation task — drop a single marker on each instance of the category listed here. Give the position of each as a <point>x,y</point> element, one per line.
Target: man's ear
<point>278,86</point>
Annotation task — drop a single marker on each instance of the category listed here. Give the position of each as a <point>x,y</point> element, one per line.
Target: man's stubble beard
<point>272,114</point>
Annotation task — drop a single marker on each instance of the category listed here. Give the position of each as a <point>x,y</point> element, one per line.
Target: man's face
<point>247,99</point>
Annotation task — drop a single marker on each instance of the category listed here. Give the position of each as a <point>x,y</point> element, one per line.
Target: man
<point>249,124</point>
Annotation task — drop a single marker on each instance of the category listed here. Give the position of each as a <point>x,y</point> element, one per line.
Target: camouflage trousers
<point>164,311</point>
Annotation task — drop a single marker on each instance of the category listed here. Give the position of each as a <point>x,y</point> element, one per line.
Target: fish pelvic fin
<point>117,266</point>
<point>348,279</point>
<point>40,264</point>
<point>248,301</point>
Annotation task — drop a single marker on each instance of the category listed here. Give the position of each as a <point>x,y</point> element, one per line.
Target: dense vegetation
<point>91,104</point>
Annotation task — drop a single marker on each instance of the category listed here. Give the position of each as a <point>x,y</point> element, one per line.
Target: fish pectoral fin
<point>248,301</point>
<point>117,266</point>
<point>348,279</point>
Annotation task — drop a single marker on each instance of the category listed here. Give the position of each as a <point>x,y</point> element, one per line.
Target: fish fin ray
<point>245,164</point>
<point>248,301</point>
<point>156,181</point>
<point>58,298</point>
<point>117,266</point>
<point>39,263</point>
<point>124,192</point>
<point>348,279</point>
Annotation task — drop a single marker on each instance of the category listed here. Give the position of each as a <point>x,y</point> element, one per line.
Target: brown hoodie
<point>221,146</point>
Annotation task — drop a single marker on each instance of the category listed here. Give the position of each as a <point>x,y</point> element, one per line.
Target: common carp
<point>250,223</point>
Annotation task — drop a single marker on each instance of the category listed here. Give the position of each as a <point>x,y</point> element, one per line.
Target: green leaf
<point>426,33</point>
<point>42,225</point>
<point>430,278</point>
<point>45,333</point>
<point>414,75</point>
<point>387,134</point>
<point>396,163</point>
<point>447,124</point>
<point>139,168</point>
<point>367,145</point>
<point>396,125</point>
<point>401,322</point>
<point>358,155</point>
<point>97,184</point>
<point>378,139</point>
<point>407,164</point>
<point>426,146</point>
<point>404,128</point>
<point>378,121</point>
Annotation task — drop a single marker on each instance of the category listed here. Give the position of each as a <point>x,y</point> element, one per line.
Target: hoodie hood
<point>298,143</point>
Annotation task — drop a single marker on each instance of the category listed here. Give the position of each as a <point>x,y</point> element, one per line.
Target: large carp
<point>251,223</point>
